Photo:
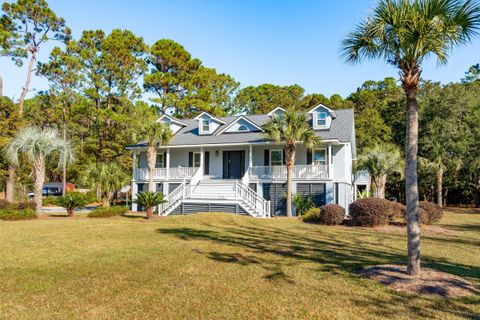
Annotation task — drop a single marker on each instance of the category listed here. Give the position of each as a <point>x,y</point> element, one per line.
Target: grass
<point>219,266</point>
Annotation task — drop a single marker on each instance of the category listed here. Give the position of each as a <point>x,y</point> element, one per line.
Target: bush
<point>105,212</point>
<point>72,200</point>
<point>49,201</point>
<point>301,203</point>
<point>331,214</point>
<point>430,212</point>
<point>312,215</point>
<point>370,212</point>
<point>22,205</point>
<point>13,214</point>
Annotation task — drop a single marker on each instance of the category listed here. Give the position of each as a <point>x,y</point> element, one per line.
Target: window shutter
<point>164,159</point>
<point>266,157</point>
<point>190,159</point>
<point>309,157</point>
<point>225,165</point>
<point>206,169</point>
<point>284,159</point>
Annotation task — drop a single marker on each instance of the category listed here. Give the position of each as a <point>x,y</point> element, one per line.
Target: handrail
<point>175,173</point>
<point>307,172</point>
<point>253,199</point>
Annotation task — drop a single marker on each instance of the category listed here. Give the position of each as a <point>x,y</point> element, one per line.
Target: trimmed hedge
<point>105,212</point>
<point>370,212</point>
<point>14,214</point>
<point>330,214</point>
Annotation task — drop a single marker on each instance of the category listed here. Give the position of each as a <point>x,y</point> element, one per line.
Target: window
<point>321,119</point>
<point>276,157</point>
<point>160,162</point>
<point>205,125</point>
<point>242,128</point>
<point>320,156</point>
<point>196,159</point>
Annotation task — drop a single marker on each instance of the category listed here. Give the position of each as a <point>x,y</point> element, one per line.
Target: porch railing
<point>306,172</point>
<point>177,173</point>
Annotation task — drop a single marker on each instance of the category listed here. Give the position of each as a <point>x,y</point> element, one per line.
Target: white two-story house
<point>225,164</point>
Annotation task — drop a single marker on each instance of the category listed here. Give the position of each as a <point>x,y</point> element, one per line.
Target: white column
<point>134,186</point>
<point>330,162</point>
<point>134,165</point>
<point>250,156</point>
<point>202,162</point>
<point>167,164</point>
<point>134,195</point>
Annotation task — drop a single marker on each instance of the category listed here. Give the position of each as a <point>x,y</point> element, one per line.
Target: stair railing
<point>252,199</point>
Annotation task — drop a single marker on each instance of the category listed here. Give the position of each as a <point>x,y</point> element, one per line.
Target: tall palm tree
<point>38,146</point>
<point>380,161</point>
<point>439,161</point>
<point>292,128</point>
<point>154,133</point>
<point>404,33</point>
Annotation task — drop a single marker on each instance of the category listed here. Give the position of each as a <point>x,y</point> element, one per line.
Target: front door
<point>233,164</point>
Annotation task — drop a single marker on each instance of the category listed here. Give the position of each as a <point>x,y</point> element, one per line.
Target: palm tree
<point>404,33</point>
<point>38,146</point>
<point>72,200</point>
<point>149,200</point>
<point>106,178</point>
<point>292,128</point>
<point>439,160</point>
<point>154,133</point>
<point>380,161</point>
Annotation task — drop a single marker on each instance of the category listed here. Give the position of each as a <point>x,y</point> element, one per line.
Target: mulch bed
<point>430,282</point>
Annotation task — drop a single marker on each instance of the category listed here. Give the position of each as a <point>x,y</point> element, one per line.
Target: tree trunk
<point>411,186</point>
<point>71,212</point>
<point>1,87</point>
<point>290,159</point>
<point>149,212</point>
<point>379,185</point>
<point>439,187</point>
<point>39,169</point>
<point>26,87</point>
<point>151,159</point>
<point>64,164</point>
<point>10,185</point>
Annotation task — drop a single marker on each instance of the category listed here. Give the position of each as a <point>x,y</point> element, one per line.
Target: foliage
<point>312,215</point>
<point>72,200</point>
<point>106,212</point>
<point>430,213</point>
<point>149,200</point>
<point>380,161</point>
<point>266,97</point>
<point>331,214</point>
<point>302,203</point>
<point>105,178</point>
<point>21,205</point>
<point>17,214</point>
<point>371,212</point>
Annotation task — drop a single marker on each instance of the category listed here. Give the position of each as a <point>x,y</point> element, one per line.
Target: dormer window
<point>205,128</point>
<point>321,119</point>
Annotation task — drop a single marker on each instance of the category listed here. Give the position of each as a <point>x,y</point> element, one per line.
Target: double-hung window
<point>196,159</point>
<point>205,126</point>
<point>321,119</point>
<point>320,156</point>
<point>160,161</point>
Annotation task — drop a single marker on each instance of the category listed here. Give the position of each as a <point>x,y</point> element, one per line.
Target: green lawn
<point>218,266</point>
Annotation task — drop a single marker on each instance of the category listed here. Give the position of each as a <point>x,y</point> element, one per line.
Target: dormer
<point>277,112</point>
<point>207,124</point>
<point>174,124</point>
<point>240,125</point>
<point>321,117</point>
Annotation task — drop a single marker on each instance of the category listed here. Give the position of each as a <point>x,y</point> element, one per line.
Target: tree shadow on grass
<point>342,253</point>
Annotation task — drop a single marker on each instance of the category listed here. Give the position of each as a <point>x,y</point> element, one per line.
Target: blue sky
<point>279,42</point>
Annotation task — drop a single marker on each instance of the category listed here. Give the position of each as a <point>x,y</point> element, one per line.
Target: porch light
<point>216,153</point>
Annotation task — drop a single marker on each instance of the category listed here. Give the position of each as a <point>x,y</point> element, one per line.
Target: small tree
<point>380,161</point>
<point>149,200</point>
<point>72,200</point>
<point>38,145</point>
<point>302,203</point>
<point>289,130</point>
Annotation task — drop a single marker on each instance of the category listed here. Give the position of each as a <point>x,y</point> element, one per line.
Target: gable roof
<point>275,110</point>
<point>341,129</point>
<point>172,119</point>
<point>210,116</point>
<point>222,130</point>
<point>332,112</point>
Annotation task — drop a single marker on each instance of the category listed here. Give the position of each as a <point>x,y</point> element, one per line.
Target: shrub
<point>149,200</point>
<point>72,200</point>
<point>430,212</point>
<point>105,212</point>
<point>312,215</point>
<point>301,203</point>
<point>49,201</point>
<point>369,212</point>
<point>331,214</point>
<point>27,204</point>
<point>13,214</point>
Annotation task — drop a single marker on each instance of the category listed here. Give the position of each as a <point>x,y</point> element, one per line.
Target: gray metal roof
<point>341,129</point>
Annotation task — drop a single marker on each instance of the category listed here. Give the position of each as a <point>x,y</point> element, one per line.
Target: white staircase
<point>218,191</point>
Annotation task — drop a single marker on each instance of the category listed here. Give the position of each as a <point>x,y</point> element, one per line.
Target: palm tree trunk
<point>149,212</point>
<point>39,169</point>
<point>64,164</point>
<point>151,159</point>
<point>411,186</point>
<point>10,185</point>
<point>26,86</point>
<point>439,187</point>
<point>71,212</point>
<point>290,158</point>
<point>379,186</point>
